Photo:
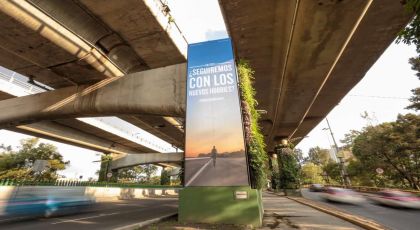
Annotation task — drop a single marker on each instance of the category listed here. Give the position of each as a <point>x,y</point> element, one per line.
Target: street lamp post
<point>344,176</point>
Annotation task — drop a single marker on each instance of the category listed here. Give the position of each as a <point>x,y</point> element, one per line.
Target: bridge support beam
<point>158,92</point>
<point>146,158</point>
<point>60,133</point>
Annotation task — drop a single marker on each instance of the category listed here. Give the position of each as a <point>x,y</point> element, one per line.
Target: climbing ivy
<point>257,156</point>
<point>288,177</point>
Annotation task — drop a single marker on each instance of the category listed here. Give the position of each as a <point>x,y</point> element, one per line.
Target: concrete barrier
<point>100,193</point>
<point>130,193</point>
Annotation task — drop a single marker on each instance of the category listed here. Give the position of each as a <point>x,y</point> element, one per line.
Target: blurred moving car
<point>342,195</point>
<point>316,188</point>
<point>32,205</point>
<point>397,199</point>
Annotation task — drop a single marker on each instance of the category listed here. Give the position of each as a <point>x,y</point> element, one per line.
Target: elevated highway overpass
<point>306,55</point>
<point>66,44</point>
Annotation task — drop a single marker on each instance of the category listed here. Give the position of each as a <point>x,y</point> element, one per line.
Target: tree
<point>299,156</point>
<point>131,173</point>
<point>411,35</point>
<point>364,174</point>
<point>311,173</point>
<point>319,156</point>
<point>165,177</point>
<point>18,164</point>
<point>349,139</point>
<point>415,100</point>
<point>333,171</point>
<point>393,146</point>
<point>149,170</point>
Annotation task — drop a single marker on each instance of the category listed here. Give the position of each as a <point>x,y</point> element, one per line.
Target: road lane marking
<point>197,158</point>
<point>85,218</point>
<point>198,173</point>
<point>146,222</point>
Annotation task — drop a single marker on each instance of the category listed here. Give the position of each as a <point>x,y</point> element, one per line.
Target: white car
<point>342,195</point>
<point>397,199</point>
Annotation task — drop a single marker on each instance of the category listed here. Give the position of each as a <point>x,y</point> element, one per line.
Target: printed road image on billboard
<point>214,148</point>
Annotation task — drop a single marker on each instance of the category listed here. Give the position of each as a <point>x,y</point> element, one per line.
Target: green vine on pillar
<point>288,167</point>
<point>257,156</point>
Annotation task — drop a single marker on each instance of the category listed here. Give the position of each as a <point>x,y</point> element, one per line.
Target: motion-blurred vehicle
<point>397,199</point>
<point>34,206</point>
<point>316,188</point>
<point>342,195</point>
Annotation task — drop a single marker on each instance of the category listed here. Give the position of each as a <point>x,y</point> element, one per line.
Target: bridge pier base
<point>227,205</point>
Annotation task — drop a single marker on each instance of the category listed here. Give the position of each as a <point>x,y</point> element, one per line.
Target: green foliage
<point>18,164</point>
<point>349,139</point>
<point>299,156</point>
<point>131,173</point>
<point>362,176</point>
<point>104,168</point>
<point>318,156</point>
<point>394,147</point>
<point>333,171</point>
<point>311,173</point>
<point>288,168</point>
<point>256,146</point>
<point>415,100</point>
<point>411,35</point>
<point>137,174</point>
<point>165,177</point>
<point>149,170</point>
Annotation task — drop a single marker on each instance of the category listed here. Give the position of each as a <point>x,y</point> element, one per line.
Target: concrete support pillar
<point>158,92</point>
<point>146,158</point>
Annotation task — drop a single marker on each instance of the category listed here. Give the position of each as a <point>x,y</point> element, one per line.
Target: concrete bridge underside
<point>306,55</point>
<point>73,43</point>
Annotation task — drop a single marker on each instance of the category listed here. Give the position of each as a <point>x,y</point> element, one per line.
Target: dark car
<point>316,188</point>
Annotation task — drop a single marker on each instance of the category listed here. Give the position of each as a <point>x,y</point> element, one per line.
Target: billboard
<point>214,142</point>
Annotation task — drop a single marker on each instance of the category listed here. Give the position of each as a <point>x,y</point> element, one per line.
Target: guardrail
<point>367,188</point>
<point>11,182</point>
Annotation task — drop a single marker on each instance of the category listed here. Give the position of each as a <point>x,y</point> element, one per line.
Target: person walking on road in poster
<point>214,155</point>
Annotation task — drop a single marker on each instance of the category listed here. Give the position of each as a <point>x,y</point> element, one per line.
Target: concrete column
<point>146,158</point>
<point>158,92</point>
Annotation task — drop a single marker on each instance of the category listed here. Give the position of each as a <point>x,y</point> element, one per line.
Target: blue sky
<point>216,51</point>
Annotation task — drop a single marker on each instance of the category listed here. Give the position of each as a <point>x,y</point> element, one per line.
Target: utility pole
<point>345,177</point>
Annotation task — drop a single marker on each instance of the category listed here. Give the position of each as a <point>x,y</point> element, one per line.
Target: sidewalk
<point>283,213</point>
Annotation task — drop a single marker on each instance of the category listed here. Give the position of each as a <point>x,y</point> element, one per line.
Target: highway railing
<point>11,182</point>
<point>367,189</point>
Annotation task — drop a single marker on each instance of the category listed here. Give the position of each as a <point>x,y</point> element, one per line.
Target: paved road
<point>193,165</point>
<point>107,215</point>
<point>229,171</point>
<point>404,219</point>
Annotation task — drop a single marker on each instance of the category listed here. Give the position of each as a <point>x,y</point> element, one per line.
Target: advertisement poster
<point>214,148</point>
